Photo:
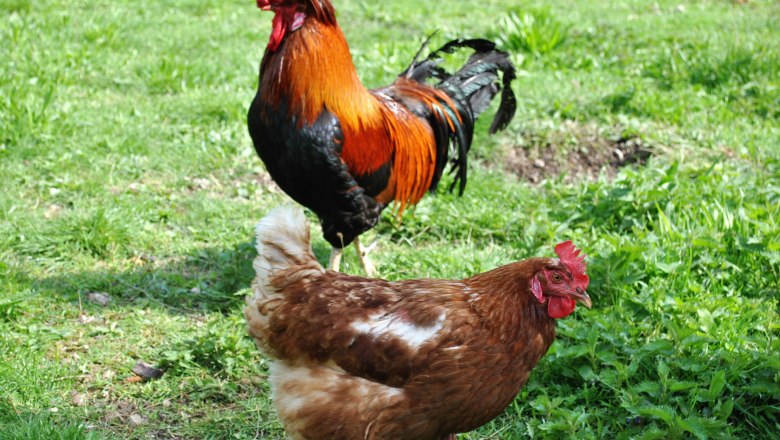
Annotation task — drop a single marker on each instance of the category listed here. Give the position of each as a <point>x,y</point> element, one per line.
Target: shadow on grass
<point>207,280</point>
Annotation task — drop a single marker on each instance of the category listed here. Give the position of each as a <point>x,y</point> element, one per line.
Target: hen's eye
<point>556,278</point>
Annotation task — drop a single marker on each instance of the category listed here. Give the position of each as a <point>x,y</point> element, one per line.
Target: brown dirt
<point>575,152</point>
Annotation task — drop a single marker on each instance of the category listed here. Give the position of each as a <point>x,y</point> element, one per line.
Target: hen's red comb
<point>570,256</point>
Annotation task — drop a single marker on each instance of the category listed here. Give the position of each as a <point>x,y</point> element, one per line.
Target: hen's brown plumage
<point>356,358</point>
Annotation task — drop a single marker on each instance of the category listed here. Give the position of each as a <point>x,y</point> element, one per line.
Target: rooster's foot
<point>335,259</point>
<point>368,266</point>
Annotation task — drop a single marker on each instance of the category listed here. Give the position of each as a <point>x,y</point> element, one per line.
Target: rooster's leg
<point>335,258</point>
<point>362,252</point>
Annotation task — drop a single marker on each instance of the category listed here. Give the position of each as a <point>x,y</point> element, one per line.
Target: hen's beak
<point>583,297</point>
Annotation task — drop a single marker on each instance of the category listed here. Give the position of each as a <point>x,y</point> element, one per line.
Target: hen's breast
<point>323,402</point>
<point>461,388</point>
<point>469,376</point>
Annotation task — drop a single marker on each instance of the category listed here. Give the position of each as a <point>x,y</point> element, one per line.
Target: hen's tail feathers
<point>487,72</point>
<point>284,252</point>
<point>284,256</point>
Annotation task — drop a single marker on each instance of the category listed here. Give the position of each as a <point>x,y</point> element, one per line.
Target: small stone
<point>201,183</point>
<point>195,290</point>
<point>99,298</point>
<point>136,420</point>
<point>78,399</point>
<point>539,163</point>
<point>147,371</point>
<point>86,319</point>
<point>52,211</point>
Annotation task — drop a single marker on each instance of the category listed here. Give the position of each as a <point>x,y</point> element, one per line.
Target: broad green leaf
<point>663,412</point>
<point>724,409</point>
<point>716,385</point>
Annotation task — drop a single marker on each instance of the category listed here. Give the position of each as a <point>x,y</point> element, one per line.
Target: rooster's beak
<point>583,297</point>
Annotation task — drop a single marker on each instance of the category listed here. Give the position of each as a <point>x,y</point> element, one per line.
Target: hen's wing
<point>395,360</point>
<point>378,330</point>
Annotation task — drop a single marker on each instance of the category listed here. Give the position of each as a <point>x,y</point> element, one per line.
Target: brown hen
<point>362,358</point>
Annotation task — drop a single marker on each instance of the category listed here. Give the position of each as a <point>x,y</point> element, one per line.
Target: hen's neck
<point>312,70</point>
<point>508,308</point>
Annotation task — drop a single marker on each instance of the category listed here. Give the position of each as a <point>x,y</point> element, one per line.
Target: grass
<point>127,171</point>
<point>536,32</point>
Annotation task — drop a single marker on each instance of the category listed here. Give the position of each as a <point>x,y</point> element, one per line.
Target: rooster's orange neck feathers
<point>306,75</point>
<point>313,71</point>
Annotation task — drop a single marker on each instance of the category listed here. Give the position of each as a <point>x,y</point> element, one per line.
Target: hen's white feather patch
<point>382,324</point>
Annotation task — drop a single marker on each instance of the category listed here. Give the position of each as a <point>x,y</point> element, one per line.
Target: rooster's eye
<point>556,278</point>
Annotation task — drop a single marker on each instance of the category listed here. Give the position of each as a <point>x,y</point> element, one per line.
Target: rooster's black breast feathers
<point>305,161</point>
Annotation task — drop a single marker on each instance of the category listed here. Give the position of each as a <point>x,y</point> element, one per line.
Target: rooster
<point>362,358</point>
<point>347,152</point>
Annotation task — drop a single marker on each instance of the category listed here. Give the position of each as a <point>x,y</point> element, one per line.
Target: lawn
<point>128,177</point>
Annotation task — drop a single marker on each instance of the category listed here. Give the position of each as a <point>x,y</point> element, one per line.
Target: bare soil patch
<point>575,152</point>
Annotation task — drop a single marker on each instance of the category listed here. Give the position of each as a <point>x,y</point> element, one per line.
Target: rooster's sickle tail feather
<point>487,72</point>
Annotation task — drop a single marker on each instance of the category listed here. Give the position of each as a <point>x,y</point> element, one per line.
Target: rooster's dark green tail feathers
<point>487,72</point>
<point>476,82</point>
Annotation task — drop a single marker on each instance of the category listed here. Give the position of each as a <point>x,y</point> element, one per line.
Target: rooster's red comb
<point>570,256</point>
